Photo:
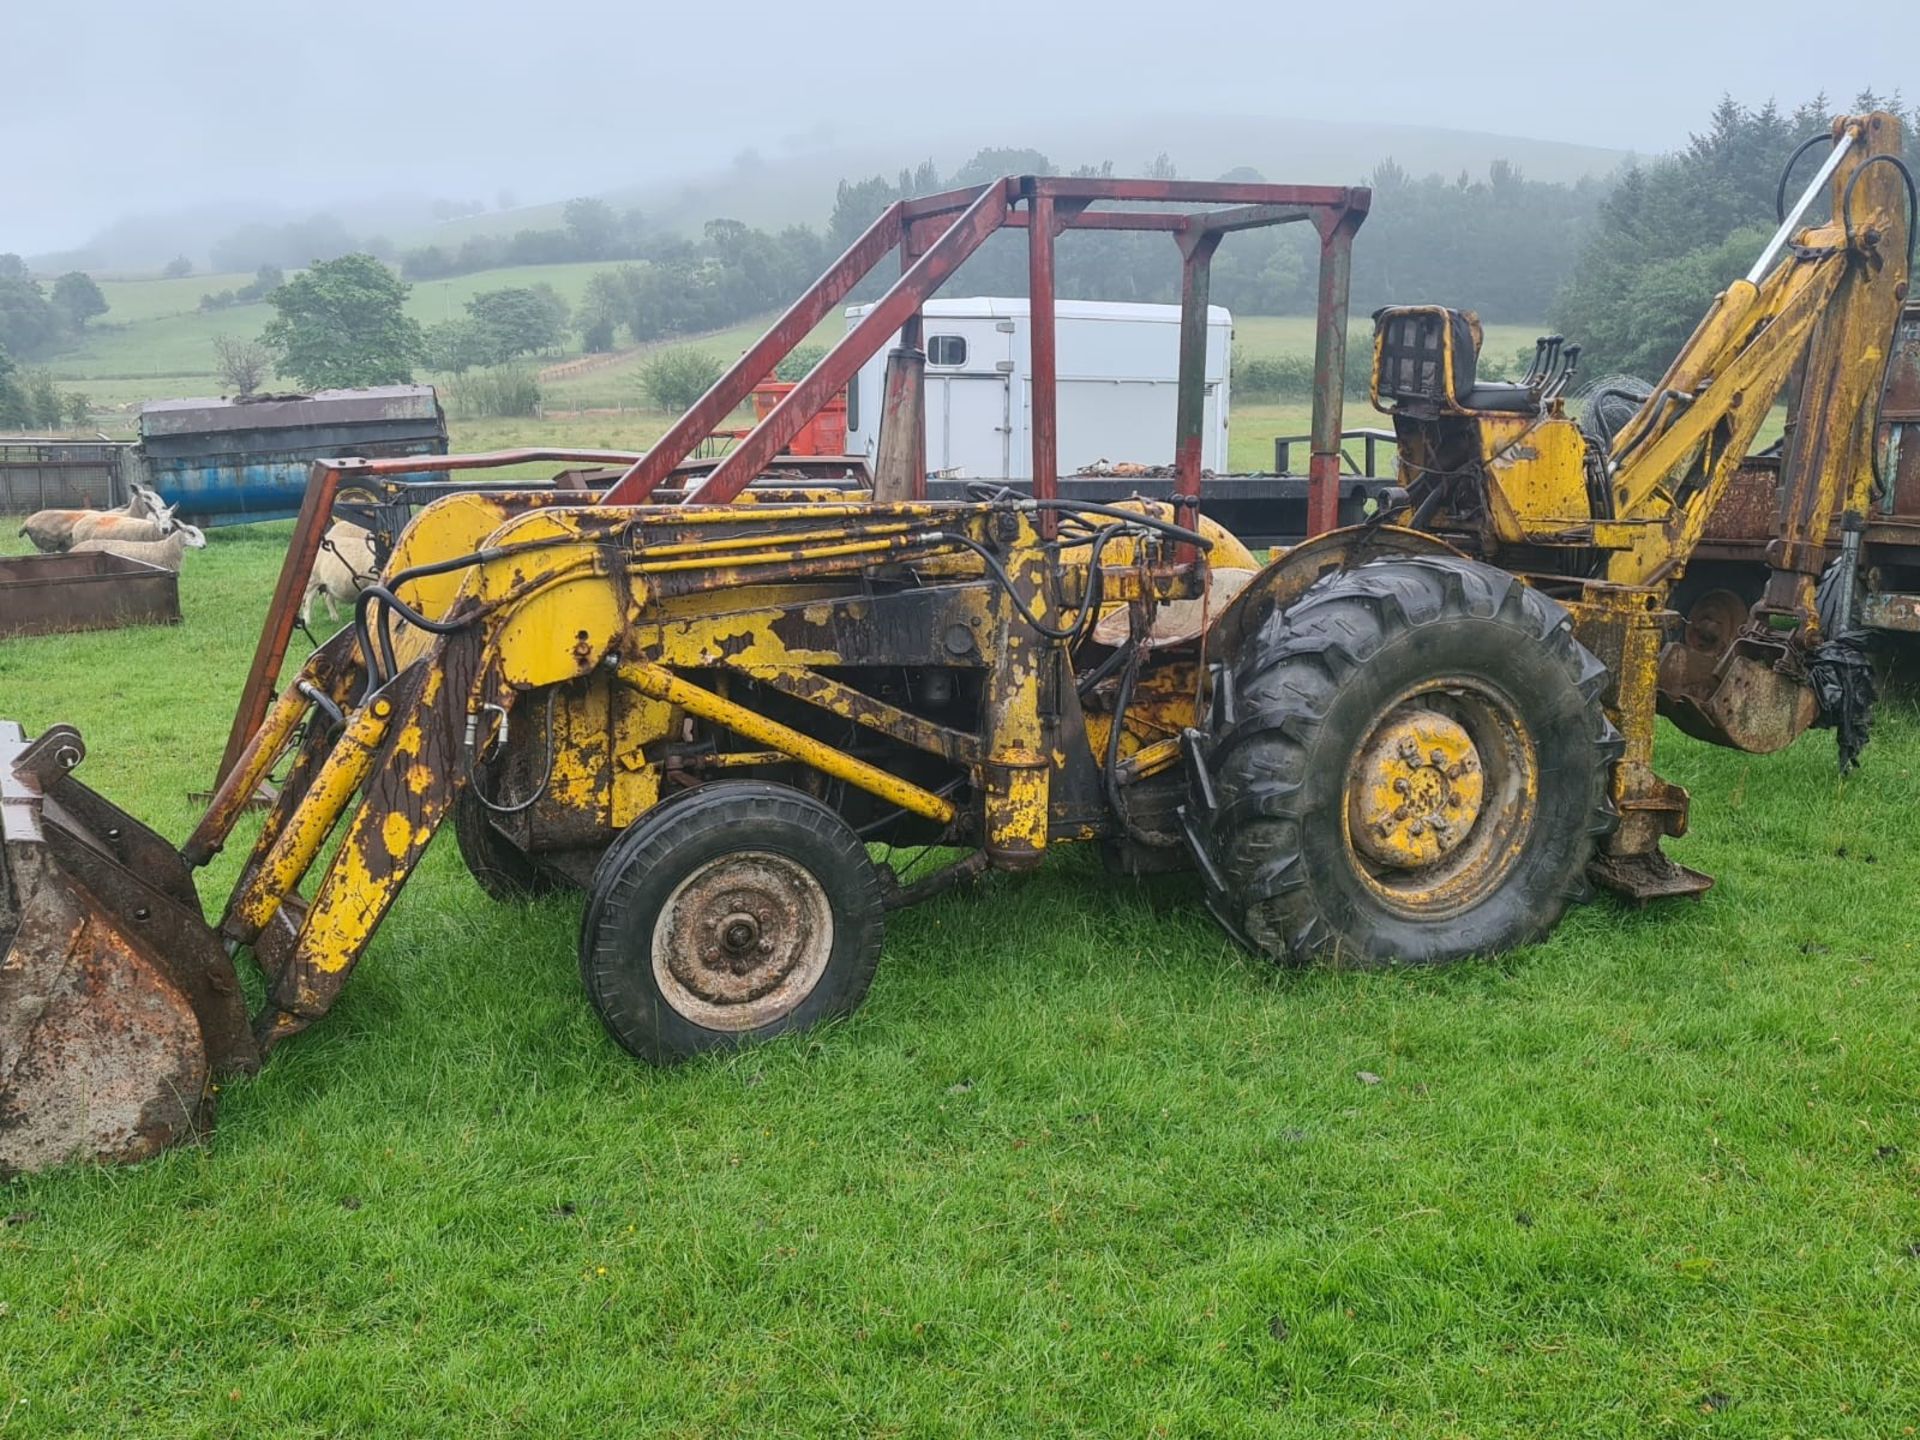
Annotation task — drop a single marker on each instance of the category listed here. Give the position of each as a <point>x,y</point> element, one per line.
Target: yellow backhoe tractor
<point>703,692</point>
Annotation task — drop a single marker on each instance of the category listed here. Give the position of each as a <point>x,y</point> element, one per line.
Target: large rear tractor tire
<point>1408,765</point>
<point>740,911</point>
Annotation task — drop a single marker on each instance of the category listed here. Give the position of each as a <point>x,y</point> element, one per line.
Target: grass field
<point>155,342</point>
<point>1079,1167</point>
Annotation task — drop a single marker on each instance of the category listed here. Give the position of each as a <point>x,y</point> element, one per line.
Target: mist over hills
<point>793,180</point>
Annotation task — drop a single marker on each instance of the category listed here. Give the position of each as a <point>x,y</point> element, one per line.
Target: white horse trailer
<point>1117,371</point>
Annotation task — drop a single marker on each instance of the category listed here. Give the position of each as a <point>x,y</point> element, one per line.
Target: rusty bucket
<point>118,1005</point>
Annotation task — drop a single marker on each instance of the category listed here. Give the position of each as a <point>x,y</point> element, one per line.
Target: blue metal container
<point>232,462</point>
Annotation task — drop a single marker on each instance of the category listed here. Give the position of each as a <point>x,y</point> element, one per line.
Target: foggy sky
<point>122,106</point>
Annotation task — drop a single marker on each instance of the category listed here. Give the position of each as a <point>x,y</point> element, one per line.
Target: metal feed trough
<point>50,594</point>
<point>231,462</point>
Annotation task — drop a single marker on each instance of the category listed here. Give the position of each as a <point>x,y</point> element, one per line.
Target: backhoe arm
<point>1833,300</point>
<point>1829,307</point>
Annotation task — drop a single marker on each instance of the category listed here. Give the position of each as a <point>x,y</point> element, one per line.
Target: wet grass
<point>1078,1167</point>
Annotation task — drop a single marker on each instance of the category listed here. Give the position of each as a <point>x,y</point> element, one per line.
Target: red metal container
<point>824,434</point>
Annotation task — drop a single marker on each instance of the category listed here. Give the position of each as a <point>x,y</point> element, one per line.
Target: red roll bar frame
<point>934,235</point>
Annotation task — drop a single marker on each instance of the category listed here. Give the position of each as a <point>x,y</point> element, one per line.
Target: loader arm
<point>850,669</point>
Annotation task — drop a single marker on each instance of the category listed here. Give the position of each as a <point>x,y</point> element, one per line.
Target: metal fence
<point>40,474</point>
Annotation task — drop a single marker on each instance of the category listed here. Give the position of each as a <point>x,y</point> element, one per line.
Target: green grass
<point>436,300</point>
<point>1293,335</point>
<point>154,343</point>
<point>1078,1167</point>
<point>130,301</point>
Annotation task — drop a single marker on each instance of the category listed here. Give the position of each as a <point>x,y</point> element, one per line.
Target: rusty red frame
<point>934,235</point>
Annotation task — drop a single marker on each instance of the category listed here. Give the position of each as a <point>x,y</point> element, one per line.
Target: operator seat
<point>1413,340</point>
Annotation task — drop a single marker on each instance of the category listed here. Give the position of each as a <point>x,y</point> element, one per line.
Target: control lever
<point>1553,358</point>
<point>1565,378</point>
<point>1539,354</point>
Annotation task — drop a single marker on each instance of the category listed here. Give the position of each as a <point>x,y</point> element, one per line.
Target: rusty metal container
<point>232,462</point>
<point>48,594</point>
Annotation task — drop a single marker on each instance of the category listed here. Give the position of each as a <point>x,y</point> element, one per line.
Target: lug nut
<point>1400,786</point>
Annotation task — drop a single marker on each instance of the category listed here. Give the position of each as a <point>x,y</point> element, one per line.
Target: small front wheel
<point>741,911</point>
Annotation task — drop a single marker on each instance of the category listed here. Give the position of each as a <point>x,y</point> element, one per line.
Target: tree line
<point>1625,265</point>
<point>1670,234</point>
<point>37,321</point>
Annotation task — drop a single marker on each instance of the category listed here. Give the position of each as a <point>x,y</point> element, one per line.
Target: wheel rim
<point>743,940</point>
<point>1441,796</point>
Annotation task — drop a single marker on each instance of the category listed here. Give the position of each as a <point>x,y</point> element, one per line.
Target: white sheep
<point>52,530</point>
<point>111,525</point>
<point>345,566</point>
<point>167,553</point>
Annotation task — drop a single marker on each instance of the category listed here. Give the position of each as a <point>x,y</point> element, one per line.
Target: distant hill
<point>795,185</point>
<point>798,188</point>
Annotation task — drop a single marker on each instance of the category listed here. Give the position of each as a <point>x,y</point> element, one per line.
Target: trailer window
<point>853,403</point>
<point>946,349</point>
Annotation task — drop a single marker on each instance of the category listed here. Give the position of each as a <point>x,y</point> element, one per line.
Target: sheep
<point>110,525</point>
<point>52,530</point>
<point>166,553</point>
<point>345,566</point>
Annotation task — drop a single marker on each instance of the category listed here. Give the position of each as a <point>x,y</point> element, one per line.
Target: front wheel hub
<point>1417,790</point>
<point>742,940</point>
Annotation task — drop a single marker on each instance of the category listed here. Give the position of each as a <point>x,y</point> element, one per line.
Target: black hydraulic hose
<point>1116,795</point>
<point>1780,195</point>
<point>336,718</point>
<point>1082,622</point>
<point>1429,502</point>
<point>986,492</point>
<point>477,557</point>
<point>540,789</point>
<point>1913,198</point>
<point>386,590</point>
<point>389,602</point>
<point>1132,517</point>
<point>1085,683</point>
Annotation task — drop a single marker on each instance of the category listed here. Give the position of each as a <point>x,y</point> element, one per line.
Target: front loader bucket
<point>118,1005</point>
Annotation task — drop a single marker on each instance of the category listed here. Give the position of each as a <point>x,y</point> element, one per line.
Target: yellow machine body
<point>1401,742</point>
